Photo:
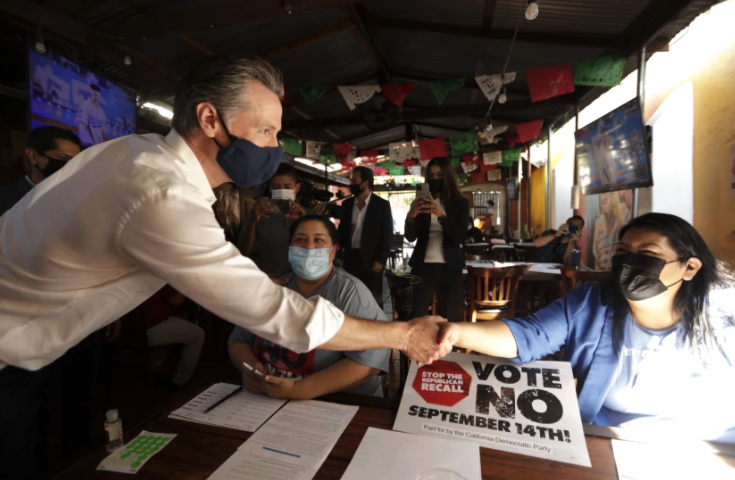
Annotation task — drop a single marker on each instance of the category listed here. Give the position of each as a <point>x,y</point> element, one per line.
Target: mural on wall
<point>604,214</point>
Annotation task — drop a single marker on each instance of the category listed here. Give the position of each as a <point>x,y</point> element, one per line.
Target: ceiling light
<point>162,111</point>
<point>127,60</point>
<point>40,45</point>
<point>532,10</point>
<point>502,98</point>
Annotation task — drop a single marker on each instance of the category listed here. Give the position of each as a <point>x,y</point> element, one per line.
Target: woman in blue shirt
<point>654,348</point>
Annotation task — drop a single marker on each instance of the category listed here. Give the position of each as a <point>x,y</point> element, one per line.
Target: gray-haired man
<point>130,215</point>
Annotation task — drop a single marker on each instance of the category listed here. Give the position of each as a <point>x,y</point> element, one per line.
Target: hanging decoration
<point>550,82</point>
<point>387,165</point>
<point>369,156</point>
<point>491,84</point>
<point>401,151</point>
<point>492,158</point>
<point>454,161</point>
<point>462,178</point>
<point>435,147</point>
<point>513,140</point>
<point>347,165</point>
<point>313,149</point>
<point>379,171</point>
<point>397,170</point>
<point>510,157</point>
<point>327,158</point>
<point>606,71</point>
<point>477,177</point>
<point>528,131</point>
<point>292,146</point>
<point>468,165</point>
<point>397,93</point>
<point>409,163</point>
<point>312,93</point>
<point>494,175</point>
<point>415,170</point>
<point>486,168</point>
<point>442,88</point>
<point>357,94</point>
<point>490,134</point>
<point>465,142</point>
<point>342,149</point>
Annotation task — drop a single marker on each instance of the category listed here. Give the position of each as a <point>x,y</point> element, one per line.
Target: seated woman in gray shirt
<point>313,246</point>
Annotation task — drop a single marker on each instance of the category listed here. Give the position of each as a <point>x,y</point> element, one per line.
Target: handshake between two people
<point>429,338</point>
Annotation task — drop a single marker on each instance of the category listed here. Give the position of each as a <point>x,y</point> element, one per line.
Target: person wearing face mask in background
<point>127,216</point>
<point>365,232</point>
<point>314,245</point>
<point>653,351</point>
<point>474,234</point>
<point>48,148</point>
<point>265,234</point>
<point>439,224</point>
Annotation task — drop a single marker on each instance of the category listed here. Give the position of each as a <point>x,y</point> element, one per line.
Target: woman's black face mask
<point>637,275</point>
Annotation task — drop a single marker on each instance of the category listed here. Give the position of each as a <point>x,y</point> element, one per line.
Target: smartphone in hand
<point>572,230</point>
<point>257,372</point>
<point>423,190</point>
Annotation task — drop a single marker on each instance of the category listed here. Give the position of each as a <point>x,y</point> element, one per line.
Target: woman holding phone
<point>439,223</point>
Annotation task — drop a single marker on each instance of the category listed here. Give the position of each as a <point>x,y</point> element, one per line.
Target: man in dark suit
<point>47,151</point>
<point>365,232</point>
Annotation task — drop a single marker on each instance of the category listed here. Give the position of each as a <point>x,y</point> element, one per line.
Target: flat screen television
<point>69,96</point>
<point>612,152</point>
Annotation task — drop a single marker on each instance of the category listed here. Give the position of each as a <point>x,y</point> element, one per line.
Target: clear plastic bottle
<point>113,430</point>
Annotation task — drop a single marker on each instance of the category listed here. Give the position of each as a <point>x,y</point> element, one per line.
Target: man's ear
<point>209,121</point>
<point>32,155</point>
<point>298,187</point>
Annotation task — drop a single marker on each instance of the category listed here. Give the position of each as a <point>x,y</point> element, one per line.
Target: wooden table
<point>198,450</point>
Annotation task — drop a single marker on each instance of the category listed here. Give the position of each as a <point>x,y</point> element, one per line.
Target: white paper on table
<point>132,457</point>
<point>292,445</point>
<point>640,461</point>
<point>404,456</point>
<point>243,411</point>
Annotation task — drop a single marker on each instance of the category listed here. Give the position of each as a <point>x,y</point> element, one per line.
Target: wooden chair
<point>493,292</point>
<point>571,278</point>
<point>523,252</point>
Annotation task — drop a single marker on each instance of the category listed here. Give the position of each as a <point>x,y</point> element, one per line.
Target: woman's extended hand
<point>434,207</point>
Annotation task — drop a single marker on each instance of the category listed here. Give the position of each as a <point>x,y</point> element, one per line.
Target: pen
<point>222,400</point>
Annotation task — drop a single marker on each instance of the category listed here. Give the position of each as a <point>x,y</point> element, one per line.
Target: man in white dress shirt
<point>127,216</point>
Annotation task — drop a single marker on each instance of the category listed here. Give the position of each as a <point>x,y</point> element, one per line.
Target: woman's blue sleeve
<point>547,330</point>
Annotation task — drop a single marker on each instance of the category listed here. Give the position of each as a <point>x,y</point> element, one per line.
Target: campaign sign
<point>528,408</point>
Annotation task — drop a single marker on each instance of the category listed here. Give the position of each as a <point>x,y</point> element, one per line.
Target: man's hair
<point>95,88</point>
<point>43,139</point>
<point>366,175</point>
<point>491,203</point>
<point>285,169</point>
<point>223,83</point>
<point>331,229</point>
<point>576,217</point>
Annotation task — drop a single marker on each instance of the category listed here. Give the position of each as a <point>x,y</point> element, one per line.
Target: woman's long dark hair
<point>451,186</point>
<point>691,303</point>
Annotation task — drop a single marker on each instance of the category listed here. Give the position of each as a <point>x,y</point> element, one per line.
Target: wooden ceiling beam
<point>650,22</point>
<point>65,27</point>
<point>490,34</point>
<point>423,113</point>
<point>308,39</point>
<point>194,19</point>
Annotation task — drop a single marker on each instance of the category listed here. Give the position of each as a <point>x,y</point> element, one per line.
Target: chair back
<point>493,289</point>
<point>572,278</point>
<point>478,258</point>
<point>523,252</point>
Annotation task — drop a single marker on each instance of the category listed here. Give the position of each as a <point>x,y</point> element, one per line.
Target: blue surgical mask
<point>246,163</point>
<point>309,264</point>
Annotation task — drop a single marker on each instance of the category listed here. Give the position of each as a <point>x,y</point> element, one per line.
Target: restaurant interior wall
<point>538,200</point>
<point>703,55</point>
<point>478,203</point>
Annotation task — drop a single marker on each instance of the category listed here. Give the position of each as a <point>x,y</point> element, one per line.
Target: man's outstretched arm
<point>417,338</point>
